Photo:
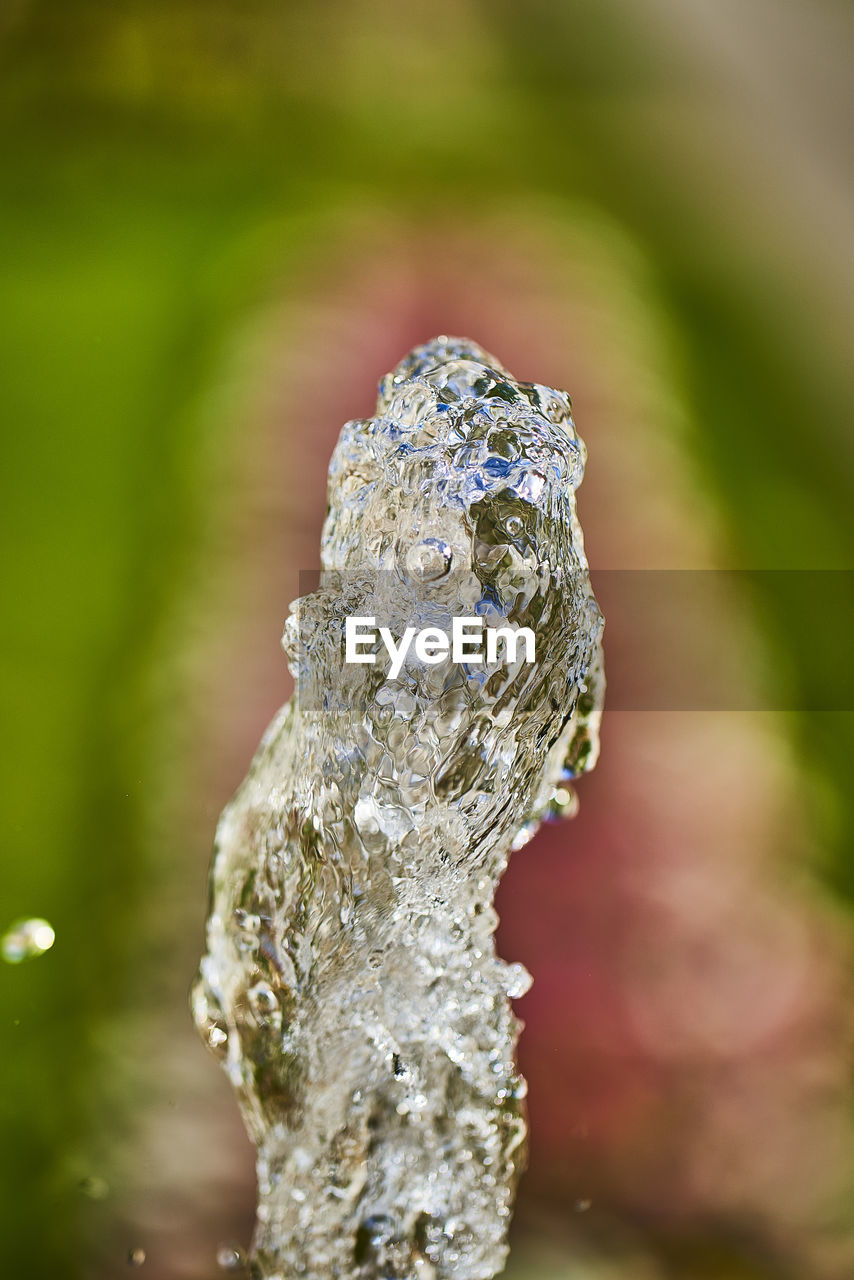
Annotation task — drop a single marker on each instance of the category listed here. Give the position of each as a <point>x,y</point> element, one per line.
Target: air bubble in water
<point>26,939</point>
<point>429,560</point>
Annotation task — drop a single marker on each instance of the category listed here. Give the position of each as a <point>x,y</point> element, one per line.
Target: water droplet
<point>581,1206</point>
<point>247,920</point>
<point>217,1037</point>
<point>518,981</point>
<point>26,939</point>
<point>523,836</point>
<point>136,1257</point>
<point>263,1000</point>
<point>563,803</point>
<point>229,1257</point>
<point>94,1188</point>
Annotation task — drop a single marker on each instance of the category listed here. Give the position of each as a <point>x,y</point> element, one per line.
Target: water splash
<point>351,988</point>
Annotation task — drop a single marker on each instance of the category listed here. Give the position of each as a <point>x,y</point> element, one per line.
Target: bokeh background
<point>219,224</point>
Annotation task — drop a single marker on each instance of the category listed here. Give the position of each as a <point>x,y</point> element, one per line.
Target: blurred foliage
<point>159,160</point>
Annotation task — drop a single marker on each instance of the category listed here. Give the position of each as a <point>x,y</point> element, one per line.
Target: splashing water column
<point>350,986</point>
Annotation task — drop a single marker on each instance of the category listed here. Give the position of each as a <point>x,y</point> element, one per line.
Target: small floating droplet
<point>26,939</point>
<point>136,1257</point>
<point>94,1188</point>
<point>217,1037</point>
<point>229,1257</point>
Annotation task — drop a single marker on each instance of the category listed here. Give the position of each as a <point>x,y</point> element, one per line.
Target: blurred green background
<point>220,223</point>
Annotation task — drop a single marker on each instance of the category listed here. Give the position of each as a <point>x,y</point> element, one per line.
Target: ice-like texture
<point>351,986</point>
